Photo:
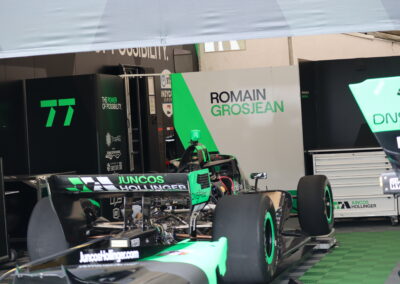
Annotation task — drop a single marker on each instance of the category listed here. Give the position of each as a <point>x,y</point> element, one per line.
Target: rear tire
<point>315,205</point>
<point>248,222</point>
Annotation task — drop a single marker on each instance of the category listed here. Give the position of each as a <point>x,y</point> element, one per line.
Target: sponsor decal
<point>114,201</point>
<point>175,252</point>
<point>167,109</point>
<point>394,183</point>
<point>341,205</point>
<point>166,96</point>
<point>153,187</point>
<point>116,213</point>
<point>390,183</point>
<point>386,118</point>
<point>99,183</point>
<point>107,256</point>
<point>102,265</point>
<point>356,204</point>
<point>165,79</point>
<point>110,103</point>
<point>112,139</point>
<point>155,53</point>
<point>141,179</point>
<point>114,166</point>
<point>126,183</point>
<point>166,93</point>
<point>52,104</point>
<point>243,102</point>
<point>135,242</point>
<point>113,154</point>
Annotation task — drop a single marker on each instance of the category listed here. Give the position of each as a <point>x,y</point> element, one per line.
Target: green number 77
<point>61,103</point>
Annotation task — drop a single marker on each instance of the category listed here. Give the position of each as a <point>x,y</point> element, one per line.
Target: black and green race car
<point>200,223</point>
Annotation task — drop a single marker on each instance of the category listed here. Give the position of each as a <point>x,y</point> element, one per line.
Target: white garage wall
<point>287,51</point>
<point>258,53</point>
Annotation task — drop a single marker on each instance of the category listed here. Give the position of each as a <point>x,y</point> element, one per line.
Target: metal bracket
<point>325,242</point>
<point>193,219</point>
<point>146,202</point>
<point>127,213</point>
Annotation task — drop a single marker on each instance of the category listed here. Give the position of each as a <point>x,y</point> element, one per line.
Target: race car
<point>200,223</point>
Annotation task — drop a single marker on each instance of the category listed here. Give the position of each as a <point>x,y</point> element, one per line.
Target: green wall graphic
<point>60,103</point>
<point>187,115</point>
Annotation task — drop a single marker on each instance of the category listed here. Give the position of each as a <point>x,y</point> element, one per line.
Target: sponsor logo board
<point>153,183</point>
<point>355,204</point>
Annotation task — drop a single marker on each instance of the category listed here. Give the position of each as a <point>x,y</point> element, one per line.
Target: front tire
<point>315,205</point>
<point>248,222</point>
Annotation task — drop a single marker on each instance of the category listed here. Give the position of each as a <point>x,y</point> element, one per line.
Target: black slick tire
<point>315,205</point>
<point>248,222</point>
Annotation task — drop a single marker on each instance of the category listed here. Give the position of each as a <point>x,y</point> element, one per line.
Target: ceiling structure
<point>58,26</point>
<point>387,35</point>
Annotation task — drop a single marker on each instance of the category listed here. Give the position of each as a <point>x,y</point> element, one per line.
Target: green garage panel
<point>361,257</point>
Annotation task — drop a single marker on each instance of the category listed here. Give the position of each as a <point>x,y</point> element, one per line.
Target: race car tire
<point>248,222</point>
<point>315,205</point>
<point>45,234</point>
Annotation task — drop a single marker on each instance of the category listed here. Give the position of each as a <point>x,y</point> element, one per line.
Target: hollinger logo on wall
<point>244,102</point>
<point>355,204</point>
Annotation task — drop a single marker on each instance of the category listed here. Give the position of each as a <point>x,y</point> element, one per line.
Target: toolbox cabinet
<point>354,177</point>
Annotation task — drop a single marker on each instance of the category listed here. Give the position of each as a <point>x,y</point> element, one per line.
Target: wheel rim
<point>269,238</point>
<point>328,204</point>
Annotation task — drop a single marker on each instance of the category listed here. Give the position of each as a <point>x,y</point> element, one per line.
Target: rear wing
<point>65,192</point>
<point>379,101</point>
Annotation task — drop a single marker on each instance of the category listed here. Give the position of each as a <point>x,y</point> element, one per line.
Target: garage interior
<point>110,112</point>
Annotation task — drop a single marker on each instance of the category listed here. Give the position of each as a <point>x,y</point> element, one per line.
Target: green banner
<point>379,101</point>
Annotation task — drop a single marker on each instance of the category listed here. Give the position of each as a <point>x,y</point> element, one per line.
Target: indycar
<point>202,222</point>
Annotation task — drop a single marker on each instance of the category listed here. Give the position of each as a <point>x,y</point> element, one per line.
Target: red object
<point>230,180</point>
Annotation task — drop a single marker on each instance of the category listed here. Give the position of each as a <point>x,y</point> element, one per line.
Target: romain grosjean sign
<point>254,114</point>
<point>243,102</point>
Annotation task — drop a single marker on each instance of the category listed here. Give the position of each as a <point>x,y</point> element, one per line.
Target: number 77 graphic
<point>61,103</point>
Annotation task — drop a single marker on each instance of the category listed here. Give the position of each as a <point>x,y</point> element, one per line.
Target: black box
<point>77,123</point>
<point>13,132</point>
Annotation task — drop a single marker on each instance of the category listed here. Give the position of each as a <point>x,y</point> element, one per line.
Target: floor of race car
<point>368,251</point>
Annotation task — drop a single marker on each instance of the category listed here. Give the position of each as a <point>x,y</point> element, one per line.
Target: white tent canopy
<point>54,26</point>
